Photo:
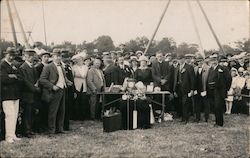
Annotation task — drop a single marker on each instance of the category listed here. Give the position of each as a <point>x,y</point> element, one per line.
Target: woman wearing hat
<point>80,71</point>
<point>133,65</point>
<point>143,73</point>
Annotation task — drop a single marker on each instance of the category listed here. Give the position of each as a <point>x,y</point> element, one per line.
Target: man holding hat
<point>54,81</point>
<point>219,82</point>
<point>29,90</point>
<point>10,94</point>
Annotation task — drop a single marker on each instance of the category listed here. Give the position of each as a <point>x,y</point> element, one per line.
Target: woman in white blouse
<point>80,71</point>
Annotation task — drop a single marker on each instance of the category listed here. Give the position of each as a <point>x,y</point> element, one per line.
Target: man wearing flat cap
<point>10,94</point>
<point>185,84</point>
<point>200,93</point>
<point>29,91</point>
<point>42,105</point>
<point>54,81</point>
<point>219,82</point>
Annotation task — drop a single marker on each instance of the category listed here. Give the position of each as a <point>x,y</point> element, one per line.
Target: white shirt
<point>61,79</point>
<point>30,64</point>
<point>80,74</point>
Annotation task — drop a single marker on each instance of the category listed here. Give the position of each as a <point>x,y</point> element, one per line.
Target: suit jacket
<point>39,68</point>
<point>222,79</point>
<point>94,82</point>
<point>111,74</point>
<point>80,77</point>
<point>48,79</point>
<point>186,79</point>
<point>204,77</point>
<point>123,73</point>
<point>10,87</point>
<point>157,74</point>
<point>175,71</point>
<point>30,77</point>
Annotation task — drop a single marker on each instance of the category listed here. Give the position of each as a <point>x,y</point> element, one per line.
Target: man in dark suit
<point>42,119</point>
<point>161,72</point>
<point>219,82</point>
<point>200,94</point>
<point>110,71</point>
<point>123,70</point>
<point>44,61</point>
<point>54,81</point>
<point>161,78</point>
<point>174,88</point>
<point>10,94</point>
<point>29,90</point>
<point>69,91</point>
<point>185,86</point>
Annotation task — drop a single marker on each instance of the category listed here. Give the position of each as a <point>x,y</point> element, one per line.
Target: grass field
<point>168,139</point>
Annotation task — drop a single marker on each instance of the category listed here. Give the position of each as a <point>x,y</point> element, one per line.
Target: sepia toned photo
<point>125,78</point>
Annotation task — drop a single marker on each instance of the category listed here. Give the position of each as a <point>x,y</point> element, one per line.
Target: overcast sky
<point>77,20</point>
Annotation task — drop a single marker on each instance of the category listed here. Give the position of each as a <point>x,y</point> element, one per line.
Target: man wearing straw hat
<point>54,81</point>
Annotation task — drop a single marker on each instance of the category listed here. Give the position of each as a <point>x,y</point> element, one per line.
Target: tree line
<point>105,43</point>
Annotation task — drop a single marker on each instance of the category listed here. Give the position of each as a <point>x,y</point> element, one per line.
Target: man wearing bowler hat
<point>219,82</point>
<point>54,81</point>
<point>29,90</point>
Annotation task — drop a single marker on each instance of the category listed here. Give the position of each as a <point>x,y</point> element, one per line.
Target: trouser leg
<point>93,101</point>
<point>218,110</point>
<point>10,108</point>
<point>53,109</point>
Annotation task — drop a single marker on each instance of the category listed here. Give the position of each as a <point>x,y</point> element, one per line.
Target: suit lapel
<point>54,68</point>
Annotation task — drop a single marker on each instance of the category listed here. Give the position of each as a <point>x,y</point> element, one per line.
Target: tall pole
<point>21,26</point>
<point>196,28</point>
<point>210,26</point>
<point>44,25</point>
<point>157,27</point>
<point>12,24</point>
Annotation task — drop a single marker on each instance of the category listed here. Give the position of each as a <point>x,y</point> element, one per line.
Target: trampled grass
<point>168,139</point>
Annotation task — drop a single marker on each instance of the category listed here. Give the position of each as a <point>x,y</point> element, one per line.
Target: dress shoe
<point>197,120</point>
<point>28,135</point>
<point>216,125</point>
<point>60,132</point>
<point>17,139</point>
<point>9,140</point>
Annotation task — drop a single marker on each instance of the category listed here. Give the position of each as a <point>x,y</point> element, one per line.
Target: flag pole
<point>157,27</point>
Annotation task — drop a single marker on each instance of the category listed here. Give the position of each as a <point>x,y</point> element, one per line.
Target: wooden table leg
<point>163,106</point>
<point>127,113</point>
<point>103,104</point>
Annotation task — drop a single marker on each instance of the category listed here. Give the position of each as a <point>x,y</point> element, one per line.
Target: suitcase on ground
<point>112,122</point>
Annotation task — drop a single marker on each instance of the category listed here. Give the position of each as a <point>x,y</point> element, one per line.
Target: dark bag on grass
<point>112,122</point>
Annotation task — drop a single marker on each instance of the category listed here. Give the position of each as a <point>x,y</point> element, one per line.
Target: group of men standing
<point>51,87</point>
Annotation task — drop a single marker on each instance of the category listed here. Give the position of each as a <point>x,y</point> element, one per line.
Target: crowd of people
<point>45,90</point>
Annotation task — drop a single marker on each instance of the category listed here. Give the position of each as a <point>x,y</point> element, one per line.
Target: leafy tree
<point>104,43</point>
<point>166,45</point>
<point>185,48</point>
<point>134,45</point>
<point>243,45</point>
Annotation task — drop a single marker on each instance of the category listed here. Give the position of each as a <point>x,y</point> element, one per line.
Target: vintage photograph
<point>125,78</point>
